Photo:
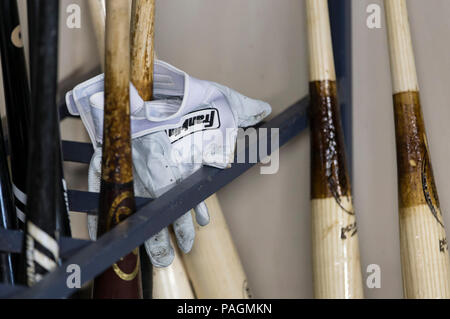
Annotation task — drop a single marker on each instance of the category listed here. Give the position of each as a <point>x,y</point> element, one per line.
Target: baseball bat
<point>18,108</point>
<point>33,25</point>
<point>335,251</point>
<point>170,282</point>
<point>17,101</point>
<point>7,215</point>
<point>226,279</point>
<point>62,204</point>
<point>142,23</point>
<point>117,202</point>
<point>41,245</point>
<point>213,264</point>
<point>423,242</point>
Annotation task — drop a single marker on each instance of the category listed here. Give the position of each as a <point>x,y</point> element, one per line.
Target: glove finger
<point>92,226</point>
<point>249,111</point>
<point>202,214</point>
<point>184,232</point>
<point>254,111</point>
<point>94,172</point>
<point>159,249</point>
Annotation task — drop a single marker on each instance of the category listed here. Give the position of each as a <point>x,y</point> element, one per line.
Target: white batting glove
<point>189,123</point>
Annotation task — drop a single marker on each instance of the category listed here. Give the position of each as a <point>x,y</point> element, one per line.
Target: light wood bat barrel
<point>142,49</point>
<point>423,242</point>
<point>321,63</point>
<point>116,200</point>
<point>213,264</point>
<point>172,282</point>
<point>336,260</point>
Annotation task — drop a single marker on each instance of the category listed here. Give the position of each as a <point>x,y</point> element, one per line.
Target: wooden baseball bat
<point>213,243</point>
<point>17,101</point>
<point>423,242</point>
<point>116,192</point>
<point>227,279</point>
<point>213,264</point>
<point>142,47</point>
<point>41,247</point>
<point>142,23</point>
<point>32,18</point>
<point>7,215</point>
<point>336,264</point>
<point>21,114</point>
<point>170,282</point>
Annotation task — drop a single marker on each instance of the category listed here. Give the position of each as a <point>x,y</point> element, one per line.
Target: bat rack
<point>153,215</point>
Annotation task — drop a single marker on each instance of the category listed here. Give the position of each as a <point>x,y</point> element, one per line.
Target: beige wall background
<point>258,47</point>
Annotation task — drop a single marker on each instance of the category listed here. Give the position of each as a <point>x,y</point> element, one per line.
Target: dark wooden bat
<point>17,100</point>
<point>336,264</point>
<point>7,215</point>
<point>32,18</point>
<point>41,247</point>
<point>18,108</point>
<point>116,191</point>
<point>62,208</point>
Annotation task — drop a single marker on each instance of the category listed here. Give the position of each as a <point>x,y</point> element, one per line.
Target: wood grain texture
<point>172,282</point>
<point>117,195</point>
<point>424,254</point>
<point>142,48</point>
<point>142,22</point>
<point>319,41</point>
<point>213,263</point>
<point>336,262</point>
<point>423,242</point>
<point>404,75</point>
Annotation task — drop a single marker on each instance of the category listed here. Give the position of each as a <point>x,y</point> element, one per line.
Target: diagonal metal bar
<point>98,256</point>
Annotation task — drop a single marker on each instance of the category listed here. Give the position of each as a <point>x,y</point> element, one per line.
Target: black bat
<point>32,17</point>
<point>41,248</point>
<point>17,99</point>
<point>62,208</point>
<point>7,214</point>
